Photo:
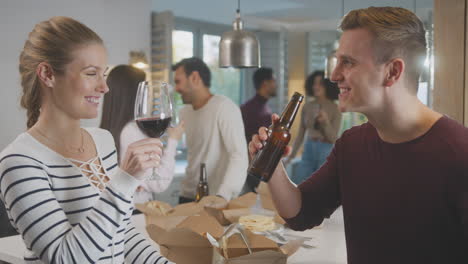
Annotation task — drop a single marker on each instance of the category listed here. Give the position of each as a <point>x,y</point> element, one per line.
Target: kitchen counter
<point>328,243</point>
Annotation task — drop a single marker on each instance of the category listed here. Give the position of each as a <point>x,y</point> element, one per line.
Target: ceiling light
<point>239,48</point>
<point>138,59</point>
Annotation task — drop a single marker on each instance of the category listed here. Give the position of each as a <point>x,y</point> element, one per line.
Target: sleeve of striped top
<point>34,210</point>
<point>138,249</point>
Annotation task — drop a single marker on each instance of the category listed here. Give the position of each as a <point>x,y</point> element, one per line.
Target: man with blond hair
<point>402,177</point>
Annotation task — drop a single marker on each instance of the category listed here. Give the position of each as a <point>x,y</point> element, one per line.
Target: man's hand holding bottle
<point>258,140</point>
<point>270,145</point>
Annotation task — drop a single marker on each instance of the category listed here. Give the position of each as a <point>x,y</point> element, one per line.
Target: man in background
<point>214,133</point>
<point>256,112</point>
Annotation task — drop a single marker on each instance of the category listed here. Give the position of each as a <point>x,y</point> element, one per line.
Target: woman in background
<point>320,123</point>
<point>60,183</point>
<point>118,118</point>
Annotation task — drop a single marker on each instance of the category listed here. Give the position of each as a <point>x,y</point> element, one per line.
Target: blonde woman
<point>60,183</point>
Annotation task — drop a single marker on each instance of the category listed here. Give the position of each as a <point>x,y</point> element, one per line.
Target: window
<point>182,45</point>
<point>201,39</point>
<point>225,81</point>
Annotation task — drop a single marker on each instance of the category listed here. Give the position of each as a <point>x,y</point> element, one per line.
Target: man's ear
<point>395,69</point>
<point>195,78</point>
<point>46,74</point>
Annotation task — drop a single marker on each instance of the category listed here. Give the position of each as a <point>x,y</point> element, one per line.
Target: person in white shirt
<point>60,183</point>
<point>131,133</point>
<point>117,117</point>
<point>214,133</point>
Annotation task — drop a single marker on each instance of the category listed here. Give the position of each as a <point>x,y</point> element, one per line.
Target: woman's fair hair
<point>119,102</point>
<point>52,41</point>
<point>398,33</point>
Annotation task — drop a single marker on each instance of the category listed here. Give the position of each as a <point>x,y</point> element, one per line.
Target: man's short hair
<point>260,75</point>
<point>398,33</point>
<point>195,64</point>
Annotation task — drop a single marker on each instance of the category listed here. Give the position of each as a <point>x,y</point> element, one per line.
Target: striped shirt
<point>61,217</point>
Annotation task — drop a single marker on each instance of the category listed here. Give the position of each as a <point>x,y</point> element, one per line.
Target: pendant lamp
<point>239,48</point>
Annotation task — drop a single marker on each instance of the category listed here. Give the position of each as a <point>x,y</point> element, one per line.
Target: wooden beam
<point>450,58</point>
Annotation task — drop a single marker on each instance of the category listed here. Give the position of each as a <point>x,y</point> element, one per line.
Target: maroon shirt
<point>402,203</point>
<point>255,114</point>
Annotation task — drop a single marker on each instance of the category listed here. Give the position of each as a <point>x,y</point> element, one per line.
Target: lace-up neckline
<point>93,170</point>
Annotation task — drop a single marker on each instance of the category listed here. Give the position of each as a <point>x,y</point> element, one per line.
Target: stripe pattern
<point>61,217</point>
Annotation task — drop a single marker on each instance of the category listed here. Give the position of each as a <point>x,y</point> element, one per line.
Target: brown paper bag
<point>245,201</point>
<point>213,202</point>
<point>185,242</point>
<point>236,246</point>
<point>264,251</point>
<point>241,206</point>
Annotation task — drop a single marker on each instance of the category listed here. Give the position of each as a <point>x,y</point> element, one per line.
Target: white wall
<point>124,25</point>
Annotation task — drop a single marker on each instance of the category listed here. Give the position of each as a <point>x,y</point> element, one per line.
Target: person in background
<point>60,183</point>
<point>117,117</point>
<point>256,112</point>
<point>5,228</point>
<point>319,125</point>
<point>214,133</point>
<point>401,178</point>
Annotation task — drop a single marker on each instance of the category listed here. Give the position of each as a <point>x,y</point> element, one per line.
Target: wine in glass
<point>153,110</point>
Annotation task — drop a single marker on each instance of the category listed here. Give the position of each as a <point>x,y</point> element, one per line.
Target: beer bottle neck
<point>289,113</point>
<point>203,177</point>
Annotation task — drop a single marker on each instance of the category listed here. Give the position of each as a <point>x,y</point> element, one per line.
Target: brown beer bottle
<point>202,188</point>
<point>265,161</point>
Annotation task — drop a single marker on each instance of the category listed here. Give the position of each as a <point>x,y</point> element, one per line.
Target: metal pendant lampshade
<point>239,48</point>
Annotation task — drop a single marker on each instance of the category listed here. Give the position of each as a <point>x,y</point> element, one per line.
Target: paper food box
<point>162,209</point>
<point>233,250</point>
<point>181,231</point>
<point>244,205</point>
<point>182,239</point>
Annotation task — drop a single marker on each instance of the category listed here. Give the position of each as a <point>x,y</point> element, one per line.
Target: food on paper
<point>213,201</point>
<point>257,223</point>
<point>159,207</point>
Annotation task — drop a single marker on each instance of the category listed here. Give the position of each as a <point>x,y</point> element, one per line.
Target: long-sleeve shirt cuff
<point>123,182</point>
<point>171,147</point>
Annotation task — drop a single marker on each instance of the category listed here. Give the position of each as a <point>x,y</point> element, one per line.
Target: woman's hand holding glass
<point>153,111</point>
<point>142,155</point>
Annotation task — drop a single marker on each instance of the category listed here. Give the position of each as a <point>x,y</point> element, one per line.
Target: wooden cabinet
<point>451,60</point>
